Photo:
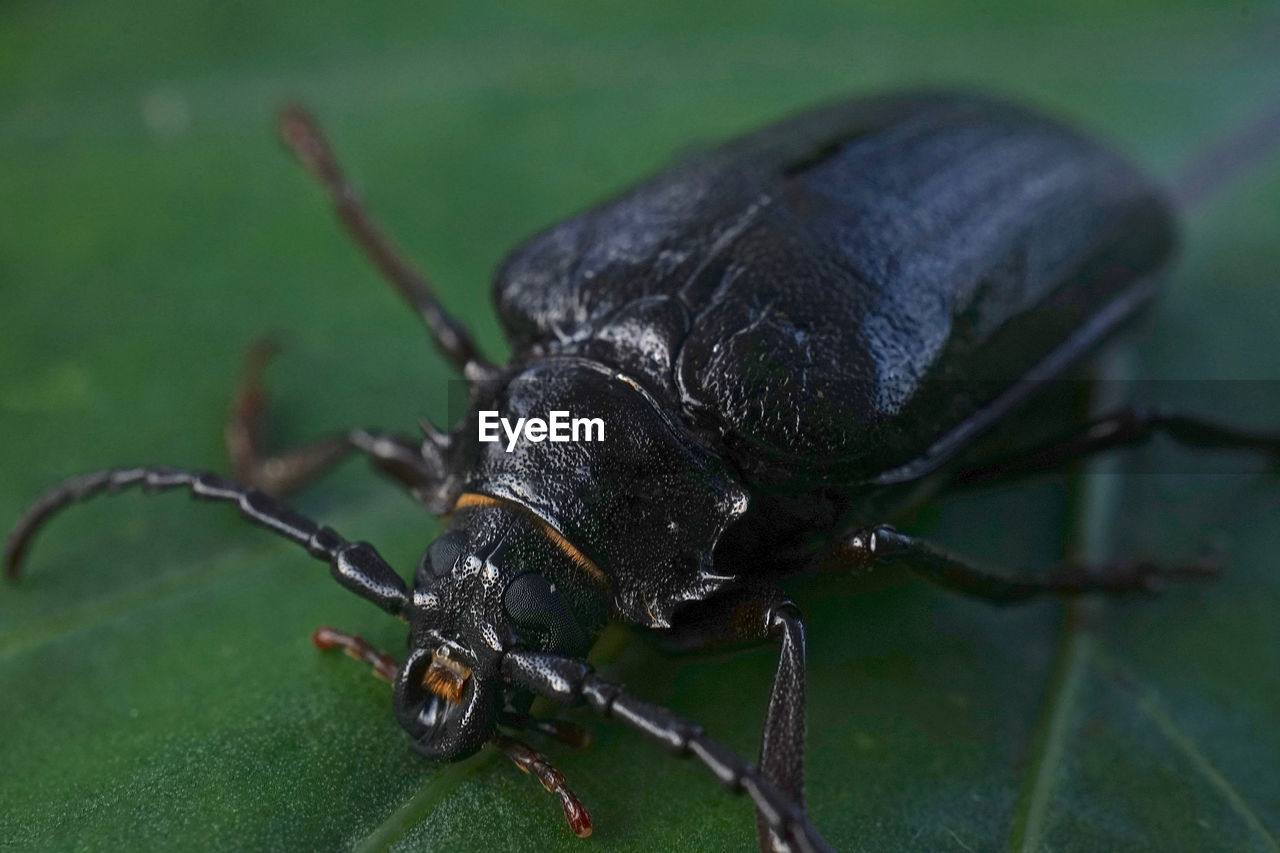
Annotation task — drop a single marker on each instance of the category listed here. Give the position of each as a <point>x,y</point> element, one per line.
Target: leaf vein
<point>1153,708</point>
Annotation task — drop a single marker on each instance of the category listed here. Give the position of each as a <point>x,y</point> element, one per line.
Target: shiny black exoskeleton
<point>781,336</point>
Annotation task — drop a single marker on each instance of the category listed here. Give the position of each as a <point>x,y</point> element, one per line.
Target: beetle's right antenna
<point>304,138</point>
<point>570,681</point>
<point>356,566</point>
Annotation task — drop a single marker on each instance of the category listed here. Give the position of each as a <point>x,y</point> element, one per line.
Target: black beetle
<point>783,338</point>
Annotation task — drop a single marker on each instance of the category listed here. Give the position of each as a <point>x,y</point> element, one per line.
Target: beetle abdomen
<point>861,281</point>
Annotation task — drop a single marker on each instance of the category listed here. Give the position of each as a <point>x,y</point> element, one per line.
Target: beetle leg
<point>782,742</point>
<point>303,137</point>
<point>358,648</point>
<point>753,615</point>
<point>883,544</point>
<point>530,761</point>
<point>1129,426</point>
<point>250,464</point>
<point>398,458</point>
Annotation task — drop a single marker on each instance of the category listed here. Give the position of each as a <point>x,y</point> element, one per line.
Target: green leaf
<point>157,686</point>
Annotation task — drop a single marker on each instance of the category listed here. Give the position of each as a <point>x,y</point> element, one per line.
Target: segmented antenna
<point>356,566</point>
<point>570,681</point>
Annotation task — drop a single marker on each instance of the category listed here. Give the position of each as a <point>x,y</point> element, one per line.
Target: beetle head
<point>493,581</point>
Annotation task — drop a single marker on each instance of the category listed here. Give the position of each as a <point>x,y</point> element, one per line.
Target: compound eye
<point>440,558</point>
<point>531,602</point>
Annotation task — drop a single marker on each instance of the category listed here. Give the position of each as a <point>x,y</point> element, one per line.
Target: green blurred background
<point>157,686</point>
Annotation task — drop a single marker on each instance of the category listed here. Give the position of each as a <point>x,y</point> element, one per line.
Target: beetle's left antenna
<point>304,138</point>
<point>355,565</point>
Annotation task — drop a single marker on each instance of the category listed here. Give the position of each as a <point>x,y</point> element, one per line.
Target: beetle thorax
<point>639,512</point>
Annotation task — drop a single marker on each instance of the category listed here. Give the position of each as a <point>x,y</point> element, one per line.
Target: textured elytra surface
<point>841,273</point>
<point>155,675</point>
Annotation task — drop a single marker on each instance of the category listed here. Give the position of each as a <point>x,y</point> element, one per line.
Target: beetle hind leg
<point>1126,427</point>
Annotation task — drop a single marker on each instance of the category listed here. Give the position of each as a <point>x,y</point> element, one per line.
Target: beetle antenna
<point>1235,154</point>
<point>570,681</point>
<point>356,566</point>
<point>303,137</point>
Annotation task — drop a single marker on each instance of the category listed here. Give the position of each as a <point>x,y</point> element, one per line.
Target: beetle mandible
<point>784,337</point>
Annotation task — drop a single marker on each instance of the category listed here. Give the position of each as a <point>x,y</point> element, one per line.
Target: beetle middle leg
<point>279,474</point>
<point>1129,426</point>
<point>868,546</point>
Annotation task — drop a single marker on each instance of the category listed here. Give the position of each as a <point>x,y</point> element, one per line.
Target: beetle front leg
<point>752,616</point>
<point>782,743</point>
<point>396,457</point>
<point>528,760</point>
<point>869,546</point>
<point>523,756</point>
<point>357,648</point>
<point>764,615</point>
